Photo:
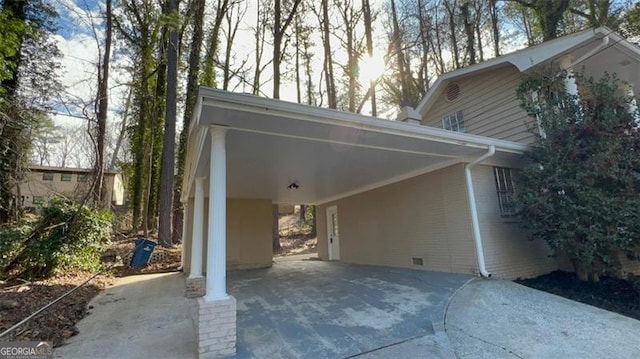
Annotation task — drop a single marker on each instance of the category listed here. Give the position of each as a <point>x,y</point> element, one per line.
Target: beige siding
<point>249,224</point>
<point>249,228</point>
<point>35,186</point>
<point>426,217</point>
<point>508,251</point>
<point>489,105</point>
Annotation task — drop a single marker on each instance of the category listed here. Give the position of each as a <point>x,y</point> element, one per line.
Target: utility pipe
<point>474,210</point>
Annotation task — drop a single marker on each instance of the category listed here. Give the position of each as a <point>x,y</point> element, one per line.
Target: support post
<point>195,281</point>
<point>216,328</point>
<point>633,104</point>
<point>570,85</point>
<point>217,241</point>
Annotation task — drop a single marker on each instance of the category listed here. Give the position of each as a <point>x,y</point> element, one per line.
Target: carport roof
<point>329,154</point>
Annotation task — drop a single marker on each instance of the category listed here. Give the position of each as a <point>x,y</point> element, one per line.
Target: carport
<point>247,147</point>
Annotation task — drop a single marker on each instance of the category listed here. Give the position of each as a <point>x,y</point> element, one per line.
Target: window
<point>504,186</point>
<point>47,176</point>
<point>453,122</point>
<point>65,177</point>
<point>83,178</point>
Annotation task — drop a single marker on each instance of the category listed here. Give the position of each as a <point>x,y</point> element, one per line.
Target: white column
<point>198,229</point>
<point>633,104</point>
<point>217,245</point>
<point>185,223</point>
<point>570,84</point>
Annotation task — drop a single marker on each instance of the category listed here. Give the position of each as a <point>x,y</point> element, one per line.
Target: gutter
<point>474,210</point>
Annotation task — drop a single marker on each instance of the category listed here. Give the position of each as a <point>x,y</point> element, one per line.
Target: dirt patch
<point>57,322</point>
<point>613,294</point>
<point>295,236</point>
<point>293,246</point>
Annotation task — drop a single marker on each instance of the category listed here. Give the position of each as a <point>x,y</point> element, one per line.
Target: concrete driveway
<point>497,319</point>
<point>314,309</point>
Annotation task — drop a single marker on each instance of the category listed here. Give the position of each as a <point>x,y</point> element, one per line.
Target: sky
<point>77,42</point>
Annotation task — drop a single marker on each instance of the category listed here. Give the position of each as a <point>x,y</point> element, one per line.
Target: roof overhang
<point>329,154</point>
<point>612,56</point>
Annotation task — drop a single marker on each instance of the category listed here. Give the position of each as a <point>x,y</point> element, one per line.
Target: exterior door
<point>333,233</point>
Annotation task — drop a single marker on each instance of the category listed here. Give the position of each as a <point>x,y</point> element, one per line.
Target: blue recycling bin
<point>142,253</point>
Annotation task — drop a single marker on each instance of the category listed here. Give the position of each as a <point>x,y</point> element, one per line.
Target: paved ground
<point>314,309</point>
<point>143,316</point>
<point>500,319</point>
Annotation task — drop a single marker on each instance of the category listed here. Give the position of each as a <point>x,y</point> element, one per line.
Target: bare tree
<point>68,144</point>
<point>102,102</point>
<point>279,30</point>
<point>259,33</point>
<point>213,42</point>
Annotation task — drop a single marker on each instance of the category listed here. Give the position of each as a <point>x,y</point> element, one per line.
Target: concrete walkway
<point>142,316</point>
<point>501,319</point>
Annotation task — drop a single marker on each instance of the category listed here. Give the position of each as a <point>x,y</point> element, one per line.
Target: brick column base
<point>216,328</point>
<point>196,287</point>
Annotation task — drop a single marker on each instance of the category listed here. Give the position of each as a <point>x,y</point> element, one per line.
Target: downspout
<point>474,210</point>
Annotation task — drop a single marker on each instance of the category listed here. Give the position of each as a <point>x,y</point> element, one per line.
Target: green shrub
<point>12,243</point>
<point>67,236</point>
<point>580,191</point>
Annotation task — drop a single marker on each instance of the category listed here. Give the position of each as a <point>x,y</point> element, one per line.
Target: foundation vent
<point>417,261</point>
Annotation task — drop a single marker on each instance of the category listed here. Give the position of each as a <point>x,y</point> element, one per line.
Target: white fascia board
<point>197,111</point>
<point>251,103</point>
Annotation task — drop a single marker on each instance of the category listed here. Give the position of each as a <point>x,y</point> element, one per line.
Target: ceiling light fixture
<point>293,186</point>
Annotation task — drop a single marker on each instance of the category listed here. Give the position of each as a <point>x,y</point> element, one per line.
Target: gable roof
<point>531,57</point>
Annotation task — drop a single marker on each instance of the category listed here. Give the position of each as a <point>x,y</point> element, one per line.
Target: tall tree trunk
<point>98,191</point>
<point>9,128</point>
<point>396,39</point>
<point>493,13</point>
<point>424,43</point>
<point>279,29</point>
<point>328,61</point>
<point>209,75</point>
<point>297,60</point>
<point>123,131</point>
<point>452,32</point>
<point>157,127</point>
<point>368,31</point>
<point>468,29</point>
<point>190,101</point>
<point>165,199</point>
<point>259,36</point>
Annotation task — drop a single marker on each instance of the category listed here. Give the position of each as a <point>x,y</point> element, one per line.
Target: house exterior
<point>43,182</point>
<point>429,191</point>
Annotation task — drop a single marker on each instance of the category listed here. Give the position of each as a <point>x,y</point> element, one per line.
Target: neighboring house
<point>430,191</point>
<point>43,182</point>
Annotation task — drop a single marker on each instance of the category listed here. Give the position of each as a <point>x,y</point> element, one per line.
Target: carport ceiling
<point>328,154</point>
